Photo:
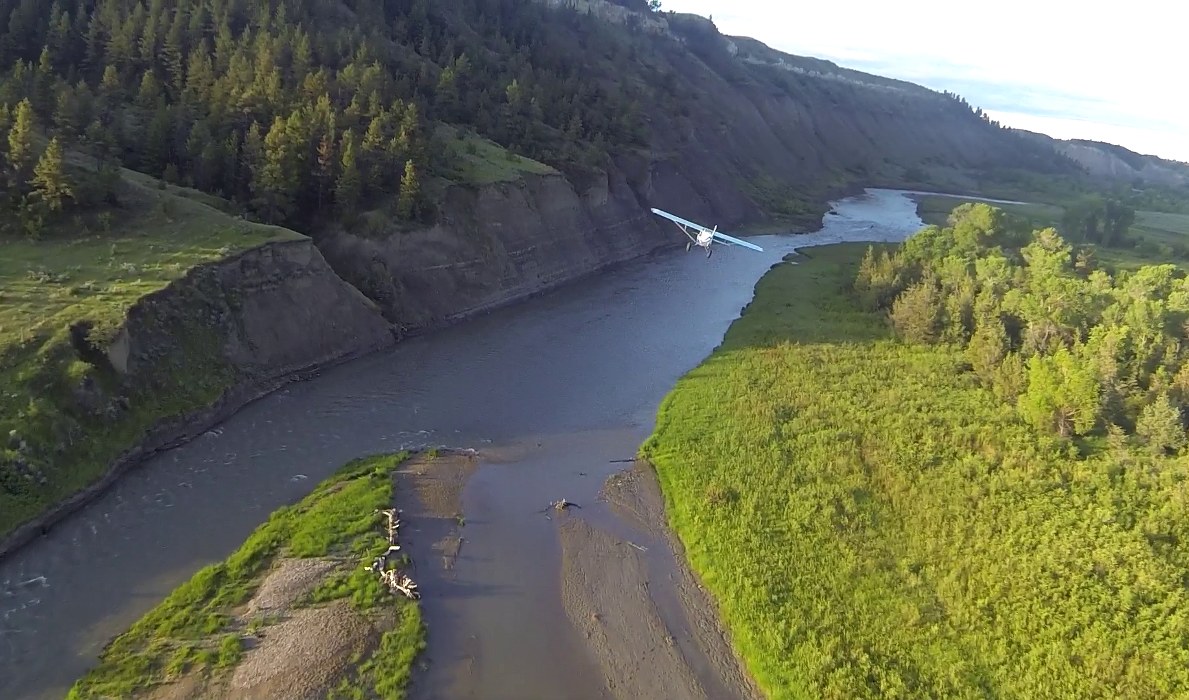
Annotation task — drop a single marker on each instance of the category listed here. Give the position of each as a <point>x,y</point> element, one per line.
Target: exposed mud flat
<point>608,593</point>
<point>437,481</point>
<point>635,495</point>
<point>434,509</point>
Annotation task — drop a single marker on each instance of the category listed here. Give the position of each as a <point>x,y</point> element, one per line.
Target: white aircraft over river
<point>705,237</point>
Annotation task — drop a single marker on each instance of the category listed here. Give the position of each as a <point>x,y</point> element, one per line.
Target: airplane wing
<point>720,237</point>
<point>731,239</point>
<point>679,220</point>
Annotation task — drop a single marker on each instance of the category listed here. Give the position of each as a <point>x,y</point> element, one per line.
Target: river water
<point>555,386</point>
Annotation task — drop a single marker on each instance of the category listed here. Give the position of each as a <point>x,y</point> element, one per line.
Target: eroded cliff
<point>496,244</point>
<point>186,357</point>
<point>266,313</point>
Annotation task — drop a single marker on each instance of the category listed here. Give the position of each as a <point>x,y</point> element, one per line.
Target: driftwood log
<point>558,505</point>
<point>396,581</point>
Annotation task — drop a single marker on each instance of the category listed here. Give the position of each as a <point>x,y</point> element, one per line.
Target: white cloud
<point>1109,72</point>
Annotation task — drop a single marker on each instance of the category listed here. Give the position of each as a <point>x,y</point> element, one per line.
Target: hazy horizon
<point>1069,83</point>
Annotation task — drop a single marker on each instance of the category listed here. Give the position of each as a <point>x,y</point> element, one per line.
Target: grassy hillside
<point>202,631</point>
<point>479,161</point>
<point>84,271</point>
<point>875,522</point>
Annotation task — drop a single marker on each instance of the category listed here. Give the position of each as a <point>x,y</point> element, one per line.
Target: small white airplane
<point>705,236</point>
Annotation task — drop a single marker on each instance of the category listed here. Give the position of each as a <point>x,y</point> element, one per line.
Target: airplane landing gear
<point>688,245</point>
<point>709,252</point>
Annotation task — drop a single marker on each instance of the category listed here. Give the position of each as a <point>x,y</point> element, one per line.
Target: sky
<point>1052,66</point>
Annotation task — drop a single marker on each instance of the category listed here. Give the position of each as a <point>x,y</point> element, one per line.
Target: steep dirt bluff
<point>733,117</point>
<point>1115,163</point>
<point>498,243</point>
<point>190,355</point>
<point>269,312</point>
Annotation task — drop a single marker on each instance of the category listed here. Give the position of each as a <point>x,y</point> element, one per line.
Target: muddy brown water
<point>549,391</point>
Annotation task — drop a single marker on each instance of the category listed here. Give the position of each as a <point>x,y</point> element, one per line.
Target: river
<point>556,386</point>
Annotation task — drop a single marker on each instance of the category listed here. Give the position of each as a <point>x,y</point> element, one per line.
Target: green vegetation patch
<point>1162,228</point>
<point>1141,236</point>
<point>199,627</point>
<point>90,269</point>
<point>480,161</point>
<point>784,203</point>
<point>876,522</point>
<point>935,209</point>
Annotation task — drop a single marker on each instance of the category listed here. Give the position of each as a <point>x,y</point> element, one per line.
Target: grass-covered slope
<point>92,267</point>
<point>480,161</point>
<point>207,626</point>
<point>876,524</point>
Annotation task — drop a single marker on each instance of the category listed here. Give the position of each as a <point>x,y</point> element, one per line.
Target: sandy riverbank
<point>304,626</point>
<point>610,598</point>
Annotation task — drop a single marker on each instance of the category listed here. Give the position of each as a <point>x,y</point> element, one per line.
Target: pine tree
<point>574,128</point>
<point>101,143</point>
<point>988,346</point>
<point>50,182</point>
<point>173,57</point>
<point>200,75</point>
<point>916,313</point>
<point>58,38</point>
<point>302,58</point>
<point>325,160</point>
<point>410,134</point>
<point>197,143</point>
<point>67,117</point>
<point>43,82</point>
<point>374,153</point>
<point>408,203</point>
<point>1160,425</point>
<point>148,96</point>
<point>147,46</point>
<point>20,141</point>
<point>93,41</point>
<point>233,180</point>
<point>252,159</point>
<point>278,181</point>
<point>157,149</point>
<point>110,92</point>
<point>349,189</point>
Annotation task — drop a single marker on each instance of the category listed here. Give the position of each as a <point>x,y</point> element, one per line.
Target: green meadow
<point>876,521</point>
<point>91,268</point>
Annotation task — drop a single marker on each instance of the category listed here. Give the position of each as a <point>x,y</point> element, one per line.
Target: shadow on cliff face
<point>496,244</point>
